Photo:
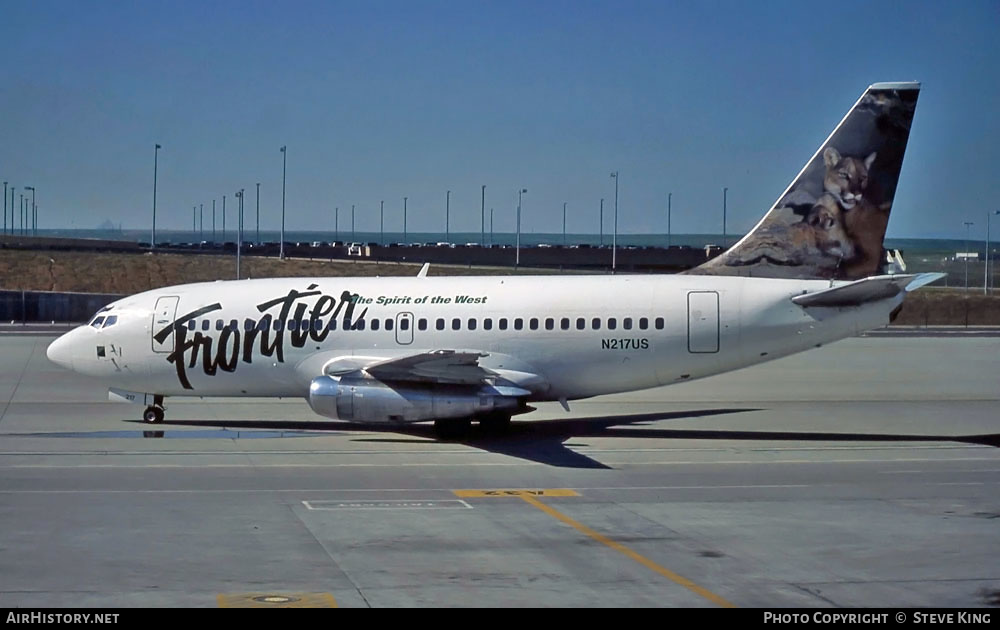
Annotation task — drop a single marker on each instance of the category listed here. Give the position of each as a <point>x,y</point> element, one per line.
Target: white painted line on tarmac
<point>387,504</point>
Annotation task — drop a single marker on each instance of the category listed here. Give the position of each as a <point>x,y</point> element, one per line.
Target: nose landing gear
<point>154,413</point>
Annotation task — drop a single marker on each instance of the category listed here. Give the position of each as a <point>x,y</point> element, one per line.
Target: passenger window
<point>422,324</point>
<point>643,323</point>
<point>219,324</point>
<point>191,323</point>
<point>359,324</point>
<point>262,325</point>
<point>249,324</point>
<point>110,321</point>
<point>518,323</point>
<point>627,323</point>
<point>472,323</point>
<point>564,323</point>
<point>375,324</point>
<point>318,324</point>
<point>659,323</point>
<point>205,324</point>
<point>456,324</point>
<point>388,324</point>
<point>612,323</point>
<point>278,325</point>
<point>234,325</point>
<point>439,324</point>
<point>502,324</point>
<point>333,324</point>
<point>595,323</point>
<point>581,323</point>
<point>487,324</point>
<point>404,324</point>
<point>549,323</point>
<point>533,323</point>
<point>293,325</point>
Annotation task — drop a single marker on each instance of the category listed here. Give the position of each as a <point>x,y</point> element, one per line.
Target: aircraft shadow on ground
<point>545,441</point>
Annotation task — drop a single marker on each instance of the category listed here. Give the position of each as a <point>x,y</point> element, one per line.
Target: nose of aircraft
<point>60,352</point>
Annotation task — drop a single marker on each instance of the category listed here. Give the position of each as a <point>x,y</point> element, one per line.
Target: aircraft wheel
<point>495,422</point>
<point>452,429</point>
<point>153,415</point>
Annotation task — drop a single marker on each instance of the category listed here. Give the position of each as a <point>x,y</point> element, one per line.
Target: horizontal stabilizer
<point>867,290</point>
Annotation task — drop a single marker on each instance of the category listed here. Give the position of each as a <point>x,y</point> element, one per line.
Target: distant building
<point>960,256</point>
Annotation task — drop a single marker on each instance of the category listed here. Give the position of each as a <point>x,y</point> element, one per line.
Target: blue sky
<point>378,100</point>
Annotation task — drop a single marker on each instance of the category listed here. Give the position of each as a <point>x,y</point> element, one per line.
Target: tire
<point>452,429</point>
<point>152,415</point>
<point>495,422</point>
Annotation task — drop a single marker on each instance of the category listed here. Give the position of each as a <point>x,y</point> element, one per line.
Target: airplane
<point>454,350</point>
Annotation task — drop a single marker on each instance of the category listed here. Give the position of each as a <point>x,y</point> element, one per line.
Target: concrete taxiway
<point>865,473</point>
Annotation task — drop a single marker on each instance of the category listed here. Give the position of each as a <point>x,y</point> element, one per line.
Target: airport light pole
<point>12,210</point>
<point>20,202</point>
<point>670,198</point>
<point>564,224</point>
<point>223,218</point>
<point>447,216</point>
<point>152,238</point>
<point>724,191</point>
<point>213,222</point>
<point>614,238</point>
<point>31,210</point>
<point>258,213</point>
<point>284,163</point>
<point>353,238</point>
<point>986,281</point>
<point>239,230</point>
<point>201,215</point>
<point>968,224</point>
<point>517,251</point>
<point>194,220</point>
<point>336,224</point>
<point>491,226</point>
<point>482,219</point>
<point>381,222</point>
<point>5,207</point>
<point>601,242</point>
<point>404,221</point>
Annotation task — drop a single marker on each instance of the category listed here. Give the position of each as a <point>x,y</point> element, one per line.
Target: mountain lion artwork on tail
<point>830,222</point>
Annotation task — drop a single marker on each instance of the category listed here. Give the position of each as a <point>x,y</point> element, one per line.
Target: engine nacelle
<point>372,401</point>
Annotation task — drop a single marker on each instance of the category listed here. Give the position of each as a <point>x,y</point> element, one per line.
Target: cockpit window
<point>97,321</point>
<point>110,321</point>
<point>93,320</point>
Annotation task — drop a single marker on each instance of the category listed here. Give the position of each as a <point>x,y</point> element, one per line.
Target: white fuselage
<point>551,335</point>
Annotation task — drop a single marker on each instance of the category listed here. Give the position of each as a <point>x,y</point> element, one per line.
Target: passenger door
<point>163,316</point>
<point>703,321</point>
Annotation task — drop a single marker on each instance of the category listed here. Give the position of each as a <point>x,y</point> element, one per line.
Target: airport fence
<point>19,307</point>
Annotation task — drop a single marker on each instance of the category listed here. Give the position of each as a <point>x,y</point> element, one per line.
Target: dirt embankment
<point>951,307</point>
<point>133,273</point>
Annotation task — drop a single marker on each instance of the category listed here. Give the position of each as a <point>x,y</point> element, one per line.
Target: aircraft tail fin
<point>830,222</point>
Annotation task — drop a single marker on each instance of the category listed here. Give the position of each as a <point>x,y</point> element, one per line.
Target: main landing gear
<point>154,413</point>
<point>457,428</point>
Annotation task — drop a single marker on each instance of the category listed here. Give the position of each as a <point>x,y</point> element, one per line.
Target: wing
<point>451,367</point>
<point>438,366</point>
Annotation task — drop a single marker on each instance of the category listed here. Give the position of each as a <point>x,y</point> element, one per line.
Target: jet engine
<point>373,401</point>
